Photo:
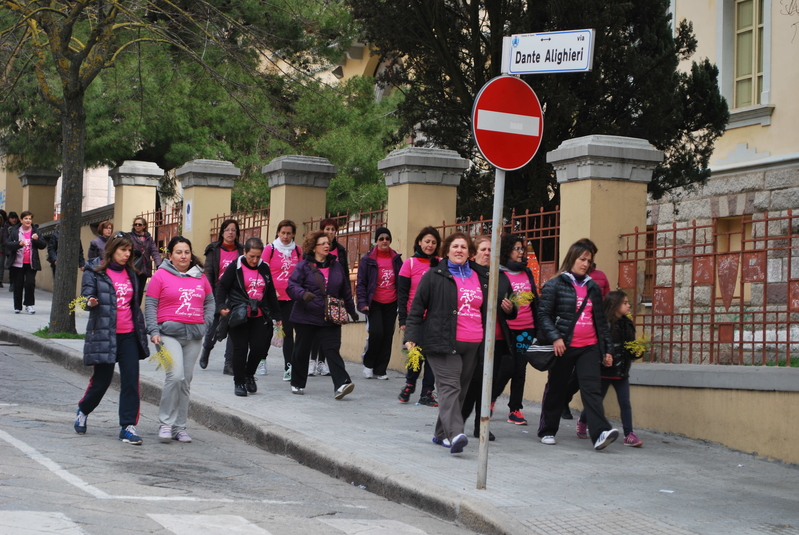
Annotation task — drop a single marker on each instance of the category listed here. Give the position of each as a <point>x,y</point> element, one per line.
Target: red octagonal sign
<point>507,122</point>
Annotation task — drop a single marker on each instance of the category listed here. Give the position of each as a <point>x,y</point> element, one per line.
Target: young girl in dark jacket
<point>580,343</point>
<point>622,330</point>
<point>115,334</point>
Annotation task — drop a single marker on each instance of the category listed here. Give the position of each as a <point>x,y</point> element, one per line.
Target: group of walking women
<point>244,291</point>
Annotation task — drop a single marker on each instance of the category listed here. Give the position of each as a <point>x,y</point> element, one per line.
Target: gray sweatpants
<point>453,373</point>
<point>174,407</point>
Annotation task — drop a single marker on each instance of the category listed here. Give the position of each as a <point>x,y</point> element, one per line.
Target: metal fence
<point>164,224</point>
<point>355,232</point>
<point>251,225</point>
<point>541,231</point>
<point>726,292</point>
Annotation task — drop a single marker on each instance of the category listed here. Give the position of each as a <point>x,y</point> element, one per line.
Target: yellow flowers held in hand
<point>162,358</point>
<point>639,346</point>
<point>78,304</point>
<point>414,360</point>
<point>279,332</point>
<point>521,299</point>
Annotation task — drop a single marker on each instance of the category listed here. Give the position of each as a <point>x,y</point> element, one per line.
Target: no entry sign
<point>507,122</point>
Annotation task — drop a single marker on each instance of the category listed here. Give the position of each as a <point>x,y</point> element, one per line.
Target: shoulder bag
<point>335,311</point>
<point>542,357</point>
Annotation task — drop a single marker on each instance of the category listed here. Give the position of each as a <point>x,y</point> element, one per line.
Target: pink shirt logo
<point>187,295</point>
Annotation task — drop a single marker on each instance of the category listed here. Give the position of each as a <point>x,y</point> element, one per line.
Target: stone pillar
<point>38,193</point>
<point>603,182</point>
<point>422,190</point>
<point>135,187</point>
<point>207,185</point>
<point>298,187</point>
<point>10,187</point>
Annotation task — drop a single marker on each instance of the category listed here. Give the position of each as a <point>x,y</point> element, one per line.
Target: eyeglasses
<point>383,238</point>
<point>322,243</point>
<point>518,248</point>
<point>230,230</point>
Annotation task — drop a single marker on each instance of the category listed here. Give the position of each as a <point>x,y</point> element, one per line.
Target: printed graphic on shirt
<point>520,286</point>
<point>124,291</point>
<point>465,297</point>
<point>186,296</point>
<point>223,264</point>
<point>255,287</point>
<point>285,268</point>
<point>386,278</point>
<point>586,318</point>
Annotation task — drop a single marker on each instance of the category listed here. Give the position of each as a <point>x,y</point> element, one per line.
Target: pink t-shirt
<point>414,268</point>
<point>26,249</point>
<point>282,267</point>
<point>470,299</point>
<point>181,299</point>
<point>253,282</point>
<point>225,259</point>
<point>386,290</point>
<point>325,273</point>
<point>124,290</point>
<point>524,318</point>
<point>584,331</point>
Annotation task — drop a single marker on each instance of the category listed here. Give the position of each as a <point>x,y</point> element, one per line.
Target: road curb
<point>473,513</point>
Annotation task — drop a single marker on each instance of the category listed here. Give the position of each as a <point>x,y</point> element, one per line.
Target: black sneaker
<point>241,390</point>
<point>428,398</point>
<point>405,395</point>
<point>252,388</point>
<point>228,369</point>
<point>567,414</point>
<point>491,437</point>
<point>204,354</point>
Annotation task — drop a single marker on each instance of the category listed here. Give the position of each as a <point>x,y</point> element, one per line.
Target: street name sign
<point>507,122</point>
<point>549,52</point>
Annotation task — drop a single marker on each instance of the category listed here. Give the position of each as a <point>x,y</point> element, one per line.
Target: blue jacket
<point>305,280</point>
<point>367,276</point>
<point>100,345</point>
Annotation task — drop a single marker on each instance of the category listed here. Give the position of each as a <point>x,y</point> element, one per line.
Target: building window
<point>748,52</point>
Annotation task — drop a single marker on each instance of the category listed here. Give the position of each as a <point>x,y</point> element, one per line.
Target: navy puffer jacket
<point>100,346</point>
<point>557,312</point>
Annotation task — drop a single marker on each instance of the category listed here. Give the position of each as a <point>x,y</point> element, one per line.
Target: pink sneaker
<point>632,440</point>
<point>582,430</point>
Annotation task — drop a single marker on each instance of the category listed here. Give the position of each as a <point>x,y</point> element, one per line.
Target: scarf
<point>463,271</point>
<point>417,253</point>
<point>115,266</point>
<point>514,268</point>
<point>285,250</point>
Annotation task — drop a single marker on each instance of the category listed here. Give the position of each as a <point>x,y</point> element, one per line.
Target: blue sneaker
<point>444,442</point>
<point>80,423</point>
<point>128,434</point>
<point>458,443</point>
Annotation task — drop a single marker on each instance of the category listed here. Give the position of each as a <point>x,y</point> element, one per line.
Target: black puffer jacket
<point>100,346</point>
<point>621,331</point>
<point>557,312</point>
<point>12,246</point>
<point>437,294</point>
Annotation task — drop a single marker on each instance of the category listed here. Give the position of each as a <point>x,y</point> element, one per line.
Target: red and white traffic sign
<point>507,122</point>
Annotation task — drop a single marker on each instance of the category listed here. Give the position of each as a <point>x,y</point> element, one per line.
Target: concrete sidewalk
<point>671,485</point>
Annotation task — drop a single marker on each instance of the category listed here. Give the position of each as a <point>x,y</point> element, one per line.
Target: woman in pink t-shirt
<point>447,320</point>
<point>179,308</point>
<point>282,256</point>
<point>247,299</point>
<point>23,260</point>
<point>410,275</point>
<point>376,292</point>
<point>115,334</point>
<point>581,343</point>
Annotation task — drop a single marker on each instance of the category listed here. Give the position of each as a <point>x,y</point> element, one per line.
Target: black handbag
<point>542,357</point>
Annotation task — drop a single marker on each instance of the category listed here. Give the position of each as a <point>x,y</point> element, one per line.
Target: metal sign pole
<point>491,327</point>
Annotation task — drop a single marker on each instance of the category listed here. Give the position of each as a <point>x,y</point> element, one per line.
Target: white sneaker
<point>311,367</point>
<point>261,368</point>
<point>297,390</point>
<point>165,433</point>
<point>368,372</point>
<point>549,440</point>
<point>344,389</point>
<point>605,439</point>
<point>382,377</point>
<point>322,369</point>
<point>287,374</point>
<point>30,310</point>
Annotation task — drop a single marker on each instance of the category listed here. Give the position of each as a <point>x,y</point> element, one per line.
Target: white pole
<point>491,326</point>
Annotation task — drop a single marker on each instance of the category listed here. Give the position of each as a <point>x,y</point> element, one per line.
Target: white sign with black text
<point>549,52</point>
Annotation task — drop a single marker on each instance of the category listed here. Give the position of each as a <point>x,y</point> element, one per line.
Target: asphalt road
<point>55,481</point>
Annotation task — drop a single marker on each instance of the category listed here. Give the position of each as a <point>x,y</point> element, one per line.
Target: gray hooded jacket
<point>174,329</point>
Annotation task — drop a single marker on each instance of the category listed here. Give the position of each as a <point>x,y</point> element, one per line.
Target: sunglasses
<point>383,238</point>
<point>139,225</point>
<point>119,234</point>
